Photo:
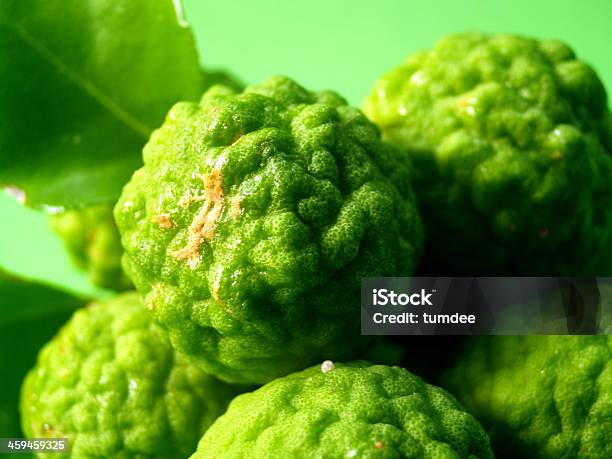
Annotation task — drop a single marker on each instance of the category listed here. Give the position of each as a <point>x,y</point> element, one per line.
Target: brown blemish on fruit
<point>217,297</point>
<point>235,209</point>
<point>216,286</point>
<point>215,291</point>
<point>203,225</point>
<point>163,220</point>
<point>187,200</point>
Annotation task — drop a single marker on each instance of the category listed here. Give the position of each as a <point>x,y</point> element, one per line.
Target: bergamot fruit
<point>111,384</point>
<point>253,220</point>
<point>539,396</point>
<point>91,238</point>
<point>511,141</point>
<point>344,411</point>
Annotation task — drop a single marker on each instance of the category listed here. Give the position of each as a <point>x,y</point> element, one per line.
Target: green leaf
<point>82,85</point>
<point>30,314</point>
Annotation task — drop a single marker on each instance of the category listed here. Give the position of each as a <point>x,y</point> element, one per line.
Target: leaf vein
<point>90,89</point>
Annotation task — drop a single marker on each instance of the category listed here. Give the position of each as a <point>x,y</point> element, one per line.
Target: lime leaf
<point>82,85</point>
<point>30,314</point>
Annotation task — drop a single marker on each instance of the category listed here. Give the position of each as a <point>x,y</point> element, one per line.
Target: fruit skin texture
<point>510,139</point>
<point>539,396</point>
<point>92,240</point>
<point>254,219</point>
<point>355,410</point>
<point>111,383</point>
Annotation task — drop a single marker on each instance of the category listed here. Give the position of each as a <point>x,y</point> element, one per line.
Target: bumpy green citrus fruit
<point>254,219</point>
<point>111,384</point>
<point>92,240</point>
<point>540,396</point>
<point>511,140</point>
<point>346,411</point>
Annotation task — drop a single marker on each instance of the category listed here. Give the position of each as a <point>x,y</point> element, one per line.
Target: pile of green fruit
<point>239,246</point>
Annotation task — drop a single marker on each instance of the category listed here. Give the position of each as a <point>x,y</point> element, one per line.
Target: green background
<point>342,45</point>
